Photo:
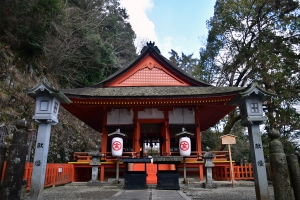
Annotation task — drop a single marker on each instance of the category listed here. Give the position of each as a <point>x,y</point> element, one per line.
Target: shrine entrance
<point>151,139</point>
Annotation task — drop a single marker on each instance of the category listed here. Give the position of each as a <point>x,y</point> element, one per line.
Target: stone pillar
<point>40,161</point>
<point>208,156</point>
<point>95,168</point>
<point>47,105</point>
<point>258,162</point>
<point>279,168</point>
<point>294,169</point>
<point>250,103</point>
<point>13,177</point>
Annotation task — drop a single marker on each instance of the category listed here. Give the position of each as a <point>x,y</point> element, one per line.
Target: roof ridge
<point>152,49</point>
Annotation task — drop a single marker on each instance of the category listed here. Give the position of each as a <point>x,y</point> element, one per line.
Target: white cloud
<point>141,24</point>
<point>177,44</point>
<point>168,43</point>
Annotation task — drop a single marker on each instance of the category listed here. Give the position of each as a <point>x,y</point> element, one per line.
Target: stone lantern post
<point>95,168</point>
<point>208,156</point>
<point>48,100</point>
<point>250,102</point>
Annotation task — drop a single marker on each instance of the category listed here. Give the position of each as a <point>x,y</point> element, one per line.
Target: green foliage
<point>240,150</point>
<point>93,42</point>
<point>258,40</point>
<point>73,43</point>
<point>210,138</point>
<point>23,24</point>
<point>78,42</point>
<point>185,62</point>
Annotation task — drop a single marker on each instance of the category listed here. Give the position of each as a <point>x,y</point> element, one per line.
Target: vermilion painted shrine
<point>150,101</point>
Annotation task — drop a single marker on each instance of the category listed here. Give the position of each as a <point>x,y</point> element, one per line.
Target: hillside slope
<point>68,136</point>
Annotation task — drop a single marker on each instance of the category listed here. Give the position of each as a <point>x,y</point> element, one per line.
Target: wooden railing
<point>220,155</point>
<point>243,172</point>
<point>84,156</point>
<point>56,174</point>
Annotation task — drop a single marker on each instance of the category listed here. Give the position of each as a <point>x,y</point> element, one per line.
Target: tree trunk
<point>232,119</point>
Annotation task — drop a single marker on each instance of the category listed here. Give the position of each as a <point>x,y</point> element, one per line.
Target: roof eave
<point>45,86</point>
<point>248,91</point>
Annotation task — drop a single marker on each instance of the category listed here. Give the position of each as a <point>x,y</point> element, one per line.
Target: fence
<point>243,172</point>
<point>56,174</point>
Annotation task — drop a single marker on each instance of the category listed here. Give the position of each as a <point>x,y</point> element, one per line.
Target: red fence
<point>56,174</point>
<point>243,172</point>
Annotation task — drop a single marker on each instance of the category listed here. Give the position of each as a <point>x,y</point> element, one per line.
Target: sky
<point>172,24</point>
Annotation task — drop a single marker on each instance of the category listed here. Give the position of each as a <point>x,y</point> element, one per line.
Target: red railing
<point>56,174</point>
<point>243,172</point>
<point>85,157</point>
<point>197,155</point>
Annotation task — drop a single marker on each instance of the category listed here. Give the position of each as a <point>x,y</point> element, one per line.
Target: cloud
<point>177,44</point>
<point>143,27</point>
<point>168,43</point>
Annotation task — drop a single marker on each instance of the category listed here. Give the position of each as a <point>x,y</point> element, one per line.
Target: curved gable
<point>148,72</point>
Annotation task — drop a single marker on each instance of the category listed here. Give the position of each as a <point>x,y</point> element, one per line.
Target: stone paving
<point>224,191</point>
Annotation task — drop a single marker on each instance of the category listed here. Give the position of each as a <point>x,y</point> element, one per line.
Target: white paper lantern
<point>117,146</point>
<point>185,146</point>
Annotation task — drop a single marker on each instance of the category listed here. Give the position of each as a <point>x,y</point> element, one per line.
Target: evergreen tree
<point>185,62</point>
<point>258,40</point>
<point>93,42</point>
<point>24,24</point>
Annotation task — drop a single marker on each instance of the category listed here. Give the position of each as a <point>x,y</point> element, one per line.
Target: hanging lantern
<point>117,146</point>
<point>185,146</point>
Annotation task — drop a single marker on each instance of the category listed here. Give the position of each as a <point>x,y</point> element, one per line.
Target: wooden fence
<point>56,174</point>
<point>243,172</point>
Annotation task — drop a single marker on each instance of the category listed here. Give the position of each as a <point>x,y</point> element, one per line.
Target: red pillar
<point>166,133</point>
<point>102,170</point>
<point>198,141</point>
<point>136,134</point>
<point>104,144</point>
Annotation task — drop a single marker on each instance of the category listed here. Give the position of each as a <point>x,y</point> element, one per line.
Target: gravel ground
<point>70,192</point>
<point>224,193</point>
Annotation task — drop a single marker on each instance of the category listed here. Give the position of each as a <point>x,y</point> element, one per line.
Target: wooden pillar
<point>103,144</point>
<point>102,171</point>
<point>166,132</point>
<point>137,133</point>
<point>197,133</point>
<point>198,141</point>
<point>104,133</point>
<point>137,138</point>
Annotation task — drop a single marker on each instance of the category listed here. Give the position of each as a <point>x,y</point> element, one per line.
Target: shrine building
<point>152,103</point>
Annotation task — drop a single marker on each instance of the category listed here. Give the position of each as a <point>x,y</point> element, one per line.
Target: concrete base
<point>209,185</point>
<point>114,180</point>
<point>186,181</point>
<point>93,183</point>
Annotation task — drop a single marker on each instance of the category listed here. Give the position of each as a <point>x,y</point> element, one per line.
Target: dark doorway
<point>151,139</point>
